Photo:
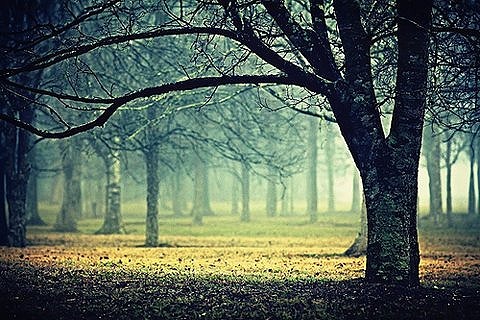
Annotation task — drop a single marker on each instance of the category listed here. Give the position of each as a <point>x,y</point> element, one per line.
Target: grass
<point>269,268</point>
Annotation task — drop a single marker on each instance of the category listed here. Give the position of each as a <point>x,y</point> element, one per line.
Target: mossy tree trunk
<point>388,165</point>
<point>15,143</point>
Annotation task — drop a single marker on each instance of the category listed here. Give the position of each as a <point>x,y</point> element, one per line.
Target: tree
<point>110,155</point>
<point>71,203</point>
<point>312,160</point>
<point>311,55</point>
<point>329,161</point>
<point>432,152</point>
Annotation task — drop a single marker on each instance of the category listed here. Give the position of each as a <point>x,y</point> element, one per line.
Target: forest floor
<point>281,268</point>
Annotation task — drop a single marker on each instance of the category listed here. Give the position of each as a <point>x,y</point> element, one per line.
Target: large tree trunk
<point>112,223</point>
<point>312,149</point>
<point>329,158</point>
<point>66,218</point>
<point>245,184</point>
<point>388,165</point>
<point>201,197</point>
<point>16,174</point>
<point>151,161</point>
<point>432,155</point>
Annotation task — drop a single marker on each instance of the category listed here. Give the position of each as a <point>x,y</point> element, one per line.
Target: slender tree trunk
<point>448,182</point>
<point>312,198</point>
<point>245,217</point>
<point>235,196</point>
<point>285,197</point>
<point>151,161</point>
<point>359,245</point>
<point>66,218</point>
<point>432,155</point>
<point>478,174</point>
<point>355,192</point>
<point>329,158</point>
<point>471,184</point>
<point>112,223</point>
<point>292,199</point>
<point>201,198</point>
<point>271,203</point>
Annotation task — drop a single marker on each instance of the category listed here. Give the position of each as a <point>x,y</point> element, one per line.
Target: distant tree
<point>71,203</point>
<point>432,152</point>
<point>312,163</point>
<point>271,203</point>
<point>356,203</point>
<point>471,180</point>
<point>33,215</point>
<point>329,150</point>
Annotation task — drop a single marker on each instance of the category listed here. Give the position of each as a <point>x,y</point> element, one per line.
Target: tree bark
<point>245,184</point>
<point>312,150</point>
<point>112,223</point>
<point>151,161</point>
<point>388,165</point>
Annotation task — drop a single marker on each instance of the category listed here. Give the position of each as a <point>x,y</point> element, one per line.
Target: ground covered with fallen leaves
<point>232,275</point>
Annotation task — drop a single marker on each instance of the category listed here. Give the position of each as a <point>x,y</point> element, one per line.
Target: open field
<point>270,268</point>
